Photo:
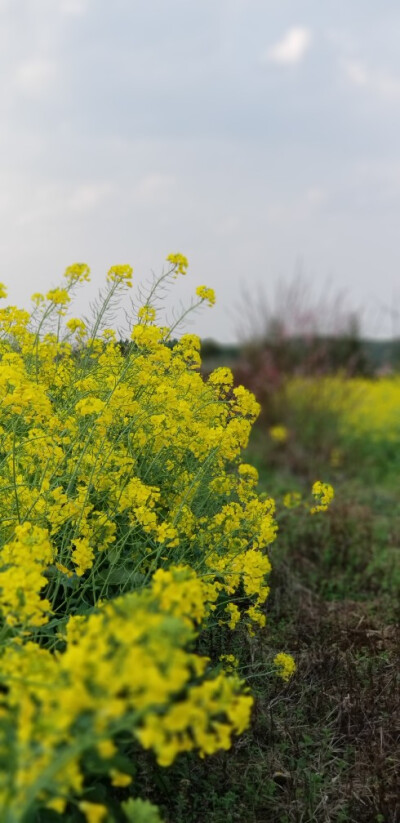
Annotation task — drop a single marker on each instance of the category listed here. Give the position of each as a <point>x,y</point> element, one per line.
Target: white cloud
<point>316,196</point>
<point>75,8</point>
<point>379,82</point>
<point>342,39</point>
<point>46,202</point>
<point>291,49</point>
<point>154,188</point>
<point>276,213</point>
<point>87,197</point>
<point>35,77</point>
<point>356,73</point>
<point>227,227</point>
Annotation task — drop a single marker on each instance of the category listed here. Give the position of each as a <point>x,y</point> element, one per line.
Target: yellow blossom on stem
<point>147,314</point>
<point>146,336</point>
<point>291,500</point>
<point>324,493</point>
<point>285,665</point>
<point>120,274</point>
<point>94,812</point>
<point>59,297</point>
<point>38,298</point>
<point>76,324</point>
<point>22,563</point>
<point>179,262</point>
<point>234,615</point>
<point>89,405</point>
<point>119,779</point>
<point>77,273</point>
<point>206,294</point>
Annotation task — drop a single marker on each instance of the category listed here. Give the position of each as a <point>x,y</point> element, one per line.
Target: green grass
<point>322,748</point>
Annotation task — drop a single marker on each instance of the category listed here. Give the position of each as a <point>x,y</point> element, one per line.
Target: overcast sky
<point>254,136</point>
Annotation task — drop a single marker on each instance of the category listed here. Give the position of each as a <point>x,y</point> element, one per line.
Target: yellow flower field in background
<point>365,407</point>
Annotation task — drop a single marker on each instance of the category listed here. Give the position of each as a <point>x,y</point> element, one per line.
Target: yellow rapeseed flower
<point>77,273</point>
<point>285,665</point>
<point>279,433</point>
<point>179,262</point>
<point>59,297</point>
<point>206,294</point>
<point>94,812</point>
<point>324,493</point>
<point>119,779</point>
<point>120,274</point>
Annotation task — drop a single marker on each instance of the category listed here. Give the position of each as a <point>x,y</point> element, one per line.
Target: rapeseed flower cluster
<point>324,494</point>
<point>128,523</point>
<point>366,408</point>
<point>206,294</point>
<point>285,665</point>
<point>123,667</point>
<point>279,434</point>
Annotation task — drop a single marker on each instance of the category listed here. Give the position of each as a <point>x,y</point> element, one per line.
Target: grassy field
<point>324,747</point>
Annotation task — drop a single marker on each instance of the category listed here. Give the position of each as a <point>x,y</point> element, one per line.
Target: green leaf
<point>141,811</point>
